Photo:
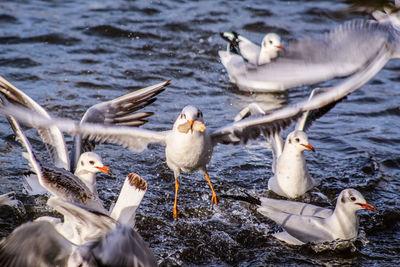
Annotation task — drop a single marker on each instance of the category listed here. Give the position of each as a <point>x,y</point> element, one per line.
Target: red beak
<point>104,169</point>
<point>367,206</point>
<point>309,147</point>
<point>280,47</point>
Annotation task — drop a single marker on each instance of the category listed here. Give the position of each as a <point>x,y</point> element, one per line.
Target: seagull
<point>189,145</point>
<point>105,242</point>
<point>58,181</point>
<point>249,51</point>
<point>304,223</point>
<point>242,54</point>
<point>291,177</point>
<point>339,53</point>
<point>84,163</point>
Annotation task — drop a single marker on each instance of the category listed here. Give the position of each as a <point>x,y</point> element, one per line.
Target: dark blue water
<point>69,55</point>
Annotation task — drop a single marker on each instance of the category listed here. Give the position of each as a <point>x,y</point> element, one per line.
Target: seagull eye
<point>353,199</point>
<point>270,41</point>
<point>297,140</point>
<point>91,162</point>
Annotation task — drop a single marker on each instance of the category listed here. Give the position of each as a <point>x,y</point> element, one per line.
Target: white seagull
<point>341,52</point>
<point>189,145</point>
<point>252,53</point>
<point>101,241</point>
<point>241,54</point>
<point>84,163</point>
<point>304,223</point>
<point>291,177</point>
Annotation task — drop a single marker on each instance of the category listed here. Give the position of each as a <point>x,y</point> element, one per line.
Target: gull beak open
<point>367,206</point>
<point>104,169</point>
<point>280,47</point>
<point>309,147</point>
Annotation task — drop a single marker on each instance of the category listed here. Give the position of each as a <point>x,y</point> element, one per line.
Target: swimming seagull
<point>339,53</point>
<point>119,111</point>
<point>242,54</point>
<point>291,177</point>
<point>303,223</point>
<point>189,145</point>
<point>252,53</point>
<point>99,241</point>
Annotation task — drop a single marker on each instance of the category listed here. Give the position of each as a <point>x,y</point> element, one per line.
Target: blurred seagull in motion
<point>291,177</point>
<point>189,145</point>
<point>84,163</point>
<point>341,52</point>
<point>85,238</point>
<point>304,223</point>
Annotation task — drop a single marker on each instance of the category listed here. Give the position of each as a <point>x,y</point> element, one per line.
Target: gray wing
<point>293,207</point>
<point>120,111</point>
<point>251,127</point>
<point>51,136</point>
<point>340,53</point>
<point>35,244</point>
<point>308,117</point>
<point>304,228</point>
<point>135,139</point>
<point>121,247</point>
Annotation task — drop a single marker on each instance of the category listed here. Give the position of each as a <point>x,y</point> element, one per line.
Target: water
<point>69,55</point>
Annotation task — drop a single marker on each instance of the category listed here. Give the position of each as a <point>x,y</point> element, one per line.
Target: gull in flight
<point>291,177</point>
<point>189,145</point>
<point>304,223</point>
<point>84,163</point>
<point>85,238</point>
<point>339,53</point>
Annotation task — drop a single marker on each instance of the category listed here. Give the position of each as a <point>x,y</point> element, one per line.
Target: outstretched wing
<point>251,127</point>
<point>51,136</point>
<point>135,139</point>
<point>119,111</point>
<point>340,53</point>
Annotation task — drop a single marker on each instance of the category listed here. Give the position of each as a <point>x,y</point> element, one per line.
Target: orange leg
<point>214,197</point>
<point>176,198</point>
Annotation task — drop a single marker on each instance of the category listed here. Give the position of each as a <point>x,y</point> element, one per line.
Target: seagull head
<point>298,140</point>
<point>91,163</point>
<point>270,46</point>
<point>190,119</point>
<point>352,200</point>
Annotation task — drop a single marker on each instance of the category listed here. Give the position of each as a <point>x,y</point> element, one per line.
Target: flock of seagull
<point>91,235</point>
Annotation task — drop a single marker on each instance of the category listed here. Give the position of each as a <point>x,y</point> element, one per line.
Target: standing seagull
<point>303,223</point>
<point>291,177</point>
<point>189,145</point>
<point>341,52</point>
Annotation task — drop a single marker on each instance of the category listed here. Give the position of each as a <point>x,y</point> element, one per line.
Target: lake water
<point>69,55</point>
